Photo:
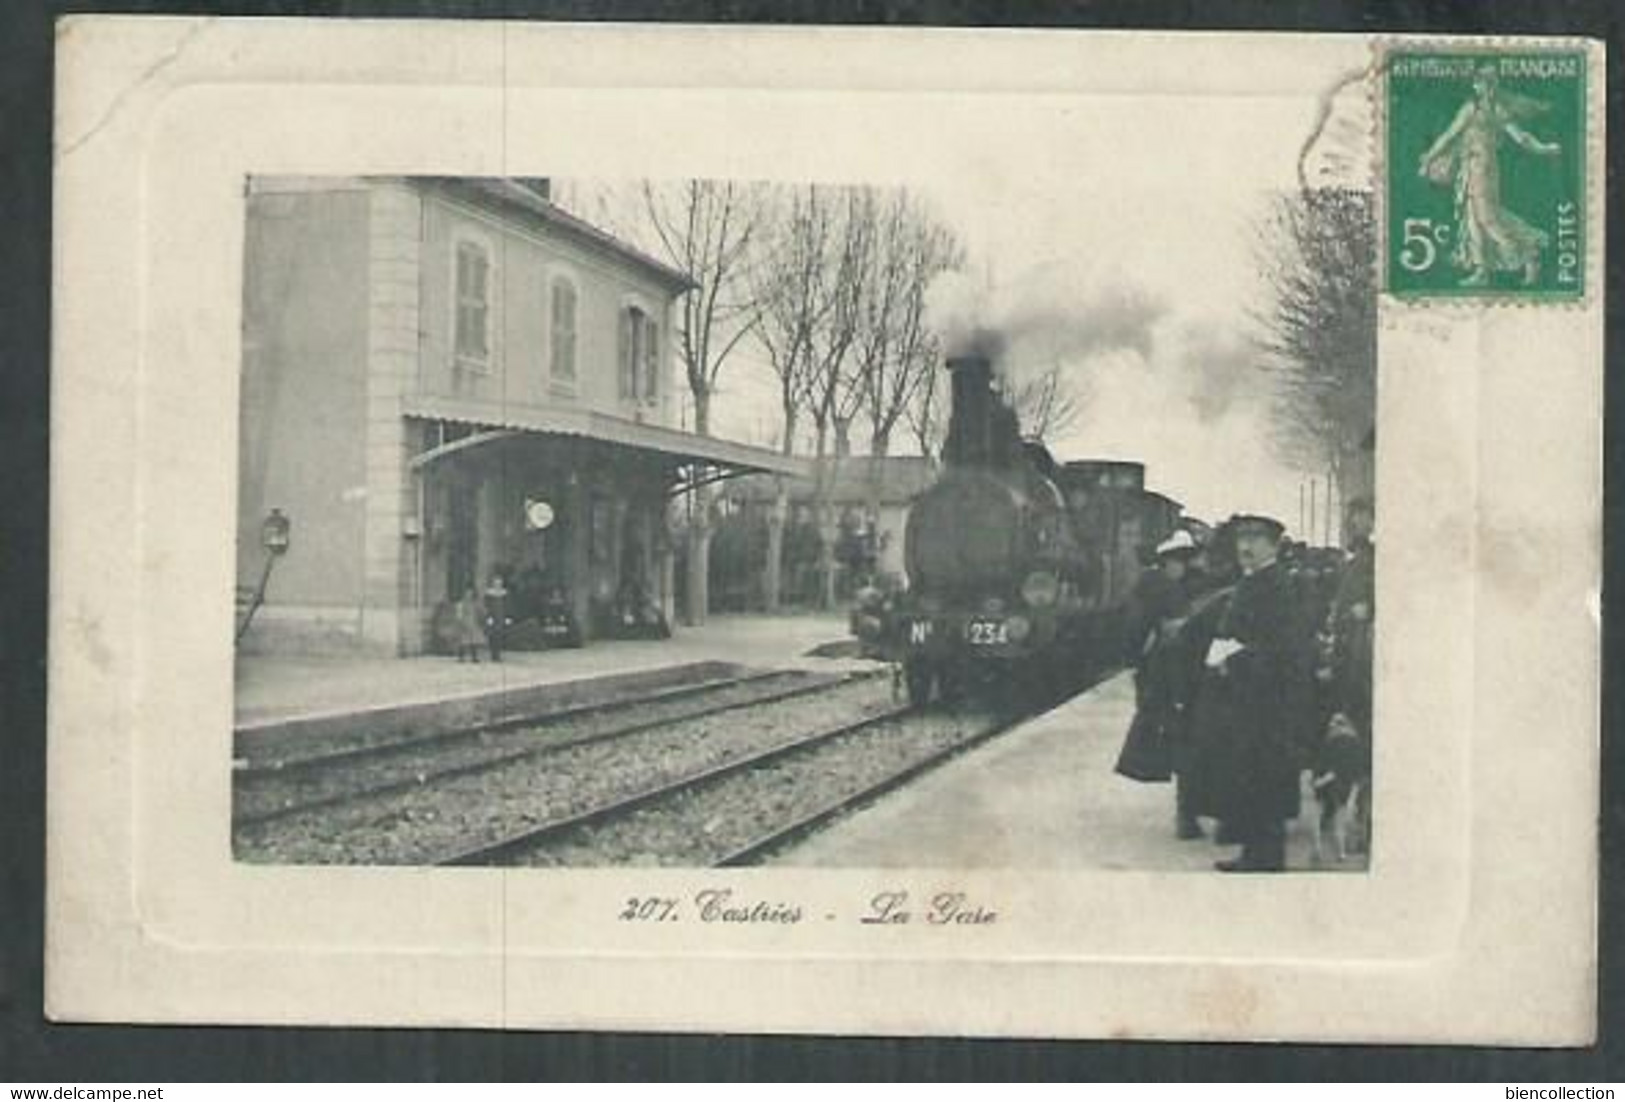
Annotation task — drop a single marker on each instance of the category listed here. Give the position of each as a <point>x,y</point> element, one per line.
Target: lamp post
<point>276,536</point>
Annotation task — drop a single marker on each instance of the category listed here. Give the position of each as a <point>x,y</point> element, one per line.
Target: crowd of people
<point>1252,659</point>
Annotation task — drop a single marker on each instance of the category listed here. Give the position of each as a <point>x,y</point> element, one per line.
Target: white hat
<point>1176,544</point>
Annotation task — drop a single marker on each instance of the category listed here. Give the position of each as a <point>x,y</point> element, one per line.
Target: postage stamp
<point>1484,171</point>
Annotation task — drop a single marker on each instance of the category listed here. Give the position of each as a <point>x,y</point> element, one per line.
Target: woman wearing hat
<point>1154,747</point>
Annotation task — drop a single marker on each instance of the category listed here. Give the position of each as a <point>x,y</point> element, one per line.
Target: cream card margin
<point>1477,922</point>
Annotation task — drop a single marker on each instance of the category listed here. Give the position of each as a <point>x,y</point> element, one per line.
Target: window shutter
<point>563,331</point>
<point>651,356</point>
<point>460,295</point>
<point>570,301</point>
<point>553,342</point>
<point>482,300</point>
<point>627,353</point>
<point>553,310</point>
<point>471,336</point>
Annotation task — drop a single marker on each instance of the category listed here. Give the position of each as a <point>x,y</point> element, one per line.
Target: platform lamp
<point>276,536</point>
<point>276,533</point>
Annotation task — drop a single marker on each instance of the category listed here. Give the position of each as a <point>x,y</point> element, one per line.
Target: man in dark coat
<point>1345,672</point>
<point>497,613</point>
<point>1254,709</point>
<point>1349,624</point>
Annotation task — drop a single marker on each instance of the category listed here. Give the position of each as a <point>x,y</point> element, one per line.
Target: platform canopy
<point>699,459</point>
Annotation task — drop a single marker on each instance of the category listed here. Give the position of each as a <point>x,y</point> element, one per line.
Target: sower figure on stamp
<point>1490,238</point>
<point>1255,705</point>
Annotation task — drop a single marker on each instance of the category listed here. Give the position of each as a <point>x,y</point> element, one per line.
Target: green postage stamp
<point>1485,166</point>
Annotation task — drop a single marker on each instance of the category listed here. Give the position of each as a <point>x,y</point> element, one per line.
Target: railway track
<point>416,824</point>
<point>775,839</point>
<point>714,816</point>
<point>279,790</point>
<point>336,752</point>
<point>640,788</point>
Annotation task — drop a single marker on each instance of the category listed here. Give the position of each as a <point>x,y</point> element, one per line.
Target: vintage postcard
<point>844,531</point>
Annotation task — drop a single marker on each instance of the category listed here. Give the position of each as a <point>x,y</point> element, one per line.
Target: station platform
<point>276,690</point>
<point>1042,796</point>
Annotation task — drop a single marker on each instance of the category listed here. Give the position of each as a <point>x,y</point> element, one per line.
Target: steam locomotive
<point>1019,568</point>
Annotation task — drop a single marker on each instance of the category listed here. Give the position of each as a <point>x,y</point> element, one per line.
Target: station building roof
<point>720,458</point>
<point>520,200</point>
<point>899,479</point>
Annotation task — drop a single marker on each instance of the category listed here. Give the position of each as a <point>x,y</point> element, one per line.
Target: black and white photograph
<point>712,522</point>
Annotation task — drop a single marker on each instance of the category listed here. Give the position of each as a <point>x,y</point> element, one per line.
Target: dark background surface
<point>33,1050</point>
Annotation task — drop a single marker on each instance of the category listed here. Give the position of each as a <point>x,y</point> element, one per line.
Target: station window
<point>562,340</point>
<point>640,354</point>
<point>651,359</point>
<point>472,324</point>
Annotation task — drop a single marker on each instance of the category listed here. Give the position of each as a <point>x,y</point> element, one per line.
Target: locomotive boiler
<point>1018,568</point>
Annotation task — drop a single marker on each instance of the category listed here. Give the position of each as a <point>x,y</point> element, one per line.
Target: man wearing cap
<point>1254,707</point>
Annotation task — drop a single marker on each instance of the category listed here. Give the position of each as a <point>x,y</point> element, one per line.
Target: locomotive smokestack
<point>982,430</point>
<point>970,420</point>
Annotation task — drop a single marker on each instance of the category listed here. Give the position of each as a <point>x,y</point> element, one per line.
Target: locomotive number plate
<point>987,633</point>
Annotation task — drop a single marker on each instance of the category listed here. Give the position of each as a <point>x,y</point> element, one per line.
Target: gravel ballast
<point>425,823</point>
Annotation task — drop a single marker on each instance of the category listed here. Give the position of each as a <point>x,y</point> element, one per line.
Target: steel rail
<point>772,841</point>
<point>764,845</point>
<point>384,747</point>
<point>504,848</point>
<point>498,761</point>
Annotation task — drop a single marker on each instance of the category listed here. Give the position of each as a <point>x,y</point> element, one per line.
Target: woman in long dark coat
<point>1162,674</point>
<point>1254,708</point>
<point>1185,675</point>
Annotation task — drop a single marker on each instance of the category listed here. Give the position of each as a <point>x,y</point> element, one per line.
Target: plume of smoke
<point>958,308</point>
<point>1099,338</point>
<point>1042,320</point>
<point>1220,366</point>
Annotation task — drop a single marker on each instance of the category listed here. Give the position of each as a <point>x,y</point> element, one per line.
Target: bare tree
<point>838,373</point>
<point>840,281</point>
<point>1047,402</point>
<point>705,229</point>
<point>835,384</point>
<point>791,287</point>
<point>926,413</point>
<point>1317,249</point>
<point>793,299</point>
<point>896,351</point>
<point>810,287</point>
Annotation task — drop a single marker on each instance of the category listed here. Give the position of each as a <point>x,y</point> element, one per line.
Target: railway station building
<point>443,379</point>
